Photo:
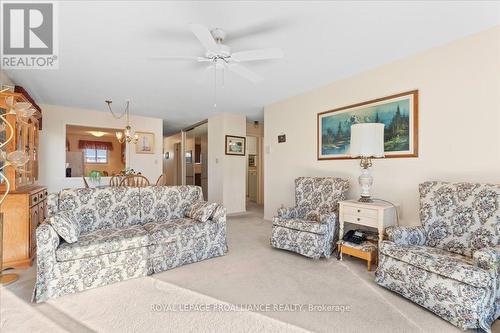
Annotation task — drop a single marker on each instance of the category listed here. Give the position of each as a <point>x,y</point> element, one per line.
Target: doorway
<point>252,177</point>
<point>178,164</point>
<point>196,156</point>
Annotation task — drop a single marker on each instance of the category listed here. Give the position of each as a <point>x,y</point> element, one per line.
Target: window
<point>99,156</point>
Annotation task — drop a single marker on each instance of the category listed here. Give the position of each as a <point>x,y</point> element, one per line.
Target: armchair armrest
<point>407,235</point>
<point>219,219</point>
<point>288,213</point>
<point>47,241</point>
<point>488,258</point>
<point>219,215</point>
<point>330,218</point>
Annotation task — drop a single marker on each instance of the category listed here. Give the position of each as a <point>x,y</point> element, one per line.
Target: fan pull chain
<point>223,76</point>
<point>215,86</point>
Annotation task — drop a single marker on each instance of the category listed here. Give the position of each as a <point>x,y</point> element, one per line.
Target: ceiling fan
<point>221,57</point>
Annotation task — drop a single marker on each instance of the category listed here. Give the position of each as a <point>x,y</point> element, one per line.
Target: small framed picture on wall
<point>235,145</point>
<point>146,143</point>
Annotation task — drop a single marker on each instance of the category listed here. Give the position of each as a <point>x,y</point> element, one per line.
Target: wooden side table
<point>376,214</point>
<point>366,251</point>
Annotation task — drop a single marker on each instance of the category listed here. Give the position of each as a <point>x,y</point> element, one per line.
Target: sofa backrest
<point>460,217</point>
<point>114,207</point>
<point>161,203</point>
<point>102,208</point>
<point>315,196</point>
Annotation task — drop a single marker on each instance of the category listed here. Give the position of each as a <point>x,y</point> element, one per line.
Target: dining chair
<point>162,180</point>
<point>135,181</point>
<point>115,181</point>
<point>85,182</point>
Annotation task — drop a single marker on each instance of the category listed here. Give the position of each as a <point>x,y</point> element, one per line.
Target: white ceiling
<point>105,50</point>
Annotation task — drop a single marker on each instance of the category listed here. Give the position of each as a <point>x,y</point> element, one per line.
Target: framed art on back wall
<point>146,143</point>
<point>235,145</point>
<point>399,114</point>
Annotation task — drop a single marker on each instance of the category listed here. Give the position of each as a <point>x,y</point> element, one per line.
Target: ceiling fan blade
<point>262,54</point>
<point>244,72</point>
<point>199,59</point>
<point>205,37</point>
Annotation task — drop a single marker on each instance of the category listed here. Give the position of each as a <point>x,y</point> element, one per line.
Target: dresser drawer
<point>361,220</point>
<point>35,198</point>
<point>366,212</point>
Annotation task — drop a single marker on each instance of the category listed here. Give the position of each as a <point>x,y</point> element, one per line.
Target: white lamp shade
<point>367,140</point>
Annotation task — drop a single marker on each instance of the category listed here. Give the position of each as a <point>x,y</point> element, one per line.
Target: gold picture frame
<point>146,143</point>
<point>333,126</point>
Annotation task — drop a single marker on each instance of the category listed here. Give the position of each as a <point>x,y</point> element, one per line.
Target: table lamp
<point>367,141</point>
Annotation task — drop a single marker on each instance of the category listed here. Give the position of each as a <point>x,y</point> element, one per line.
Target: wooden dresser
<point>23,211</point>
<point>25,206</point>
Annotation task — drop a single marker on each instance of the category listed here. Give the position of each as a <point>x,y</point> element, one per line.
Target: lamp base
<point>365,199</point>
<point>365,181</point>
<point>6,279</point>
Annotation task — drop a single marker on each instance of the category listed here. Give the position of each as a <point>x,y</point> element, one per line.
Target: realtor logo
<point>29,35</point>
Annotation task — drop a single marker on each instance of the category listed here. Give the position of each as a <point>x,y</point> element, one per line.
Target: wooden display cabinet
<point>25,206</point>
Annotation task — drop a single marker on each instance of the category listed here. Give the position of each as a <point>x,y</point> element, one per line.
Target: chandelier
<point>127,135</point>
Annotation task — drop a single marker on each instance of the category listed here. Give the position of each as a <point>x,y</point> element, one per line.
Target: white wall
<point>53,137</point>
<point>226,173</point>
<point>4,79</point>
<point>170,165</point>
<point>459,120</point>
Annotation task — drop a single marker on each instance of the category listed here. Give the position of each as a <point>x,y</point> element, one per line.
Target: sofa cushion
<point>161,203</point>
<point>66,226</point>
<point>176,230</point>
<point>201,210</point>
<point>104,241</point>
<point>435,260</point>
<point>102,208</point>
<point>302,225</point>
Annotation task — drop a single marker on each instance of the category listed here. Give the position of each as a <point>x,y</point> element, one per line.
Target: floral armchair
<point>451,264</point>
<point>311,227</point>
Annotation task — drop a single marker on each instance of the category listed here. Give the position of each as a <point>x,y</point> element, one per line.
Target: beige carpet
<point>251,273</point>
<point>140,305</point>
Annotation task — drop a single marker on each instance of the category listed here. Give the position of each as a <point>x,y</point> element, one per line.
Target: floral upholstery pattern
<point>315,196</point>
<point>161,203</point>
<point>66,226</point>
<point>104,241</point>
<point>52,204</point>
<point>102,208</point>
<point>435,260</point>
<point>488,258</point>
<point>459,303</point>
<point>460,217</point>
<point>311,227</point>
<point>302,225</point>
<point>450,265</point>
<point>183,241</point>
<point>406,235</point>
<point>201,210</point>
<point>117,243</point>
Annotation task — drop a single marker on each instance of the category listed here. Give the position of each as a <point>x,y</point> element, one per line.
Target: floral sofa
<point>311,227</point>
<point>124,233</point>
<point>451,264</point>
